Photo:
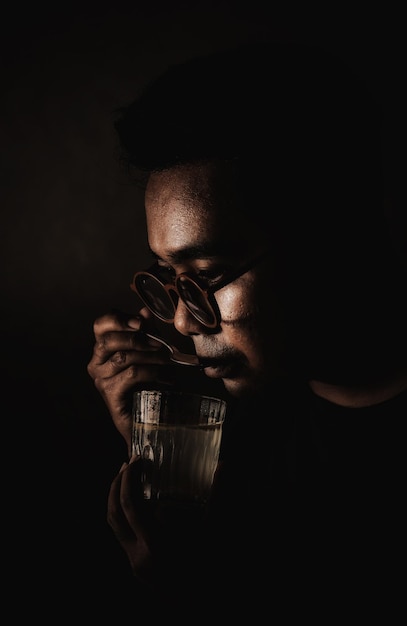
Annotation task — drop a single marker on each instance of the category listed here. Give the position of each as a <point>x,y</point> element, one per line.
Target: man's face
<point>193,226</point>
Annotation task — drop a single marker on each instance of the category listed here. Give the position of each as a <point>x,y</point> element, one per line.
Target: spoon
<point>176,356</point>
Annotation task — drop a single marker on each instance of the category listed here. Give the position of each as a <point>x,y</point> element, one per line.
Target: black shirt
<point>314,501</point>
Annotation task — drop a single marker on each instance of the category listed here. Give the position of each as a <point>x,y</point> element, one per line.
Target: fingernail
<point>134,322</point>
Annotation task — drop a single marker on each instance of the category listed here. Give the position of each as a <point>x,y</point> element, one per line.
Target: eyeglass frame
<point>206,292</point>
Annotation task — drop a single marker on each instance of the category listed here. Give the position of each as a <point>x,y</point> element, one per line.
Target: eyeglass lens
<point>155,296</point>
<point>160,298</point>
<point>196,301</point>
<point>160,302</point>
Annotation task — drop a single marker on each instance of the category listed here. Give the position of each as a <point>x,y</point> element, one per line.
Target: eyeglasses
<point>160,293</point>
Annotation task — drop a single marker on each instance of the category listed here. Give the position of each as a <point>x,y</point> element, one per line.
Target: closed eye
<point>208,278</point>
<point>205,277</point>
<point>165,273</point>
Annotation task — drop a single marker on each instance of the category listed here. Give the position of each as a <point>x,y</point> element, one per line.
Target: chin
<point>239,388</point>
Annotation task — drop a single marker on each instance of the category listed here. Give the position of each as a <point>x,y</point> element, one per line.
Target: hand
<point>123,502</point>
<point>124,358</point>
<point>164,545</point>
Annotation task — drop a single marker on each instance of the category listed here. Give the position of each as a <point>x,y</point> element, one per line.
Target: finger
<point>120,321</point>
<point>119,400</point>
<point>115,516</point>
<point>125,496</point>
<point>124,522</point>
<point>112,346</point>
<point>117,390</point>
<point>111,357</point>
<point>131,492</point>
<point>117,321</point>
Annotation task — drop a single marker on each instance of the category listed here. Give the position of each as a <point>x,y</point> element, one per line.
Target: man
<point>263,202</point>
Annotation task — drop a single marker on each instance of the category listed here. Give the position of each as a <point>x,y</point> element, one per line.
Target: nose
<point>185,322</point>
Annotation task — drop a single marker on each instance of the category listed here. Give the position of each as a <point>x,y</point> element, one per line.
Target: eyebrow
<point>192,252</point>
<point>206,250</point>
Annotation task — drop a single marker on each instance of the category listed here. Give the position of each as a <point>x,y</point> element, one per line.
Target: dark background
<point>72,233</point>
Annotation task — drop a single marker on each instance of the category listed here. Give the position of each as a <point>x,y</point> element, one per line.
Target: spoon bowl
<point>181,358</point>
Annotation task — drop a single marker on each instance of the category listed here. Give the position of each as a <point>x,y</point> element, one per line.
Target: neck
<point>363,395</point>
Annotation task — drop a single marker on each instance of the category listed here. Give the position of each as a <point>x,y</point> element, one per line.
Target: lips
<point>218,368</point>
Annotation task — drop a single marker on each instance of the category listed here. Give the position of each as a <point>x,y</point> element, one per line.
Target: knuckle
<point>99,384</point>
<point>118,358</point>
<point>99,324</point>
<point>132,371</point>
<point>100,345</point>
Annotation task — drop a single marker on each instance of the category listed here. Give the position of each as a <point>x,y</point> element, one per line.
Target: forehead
<point>194,206</point>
